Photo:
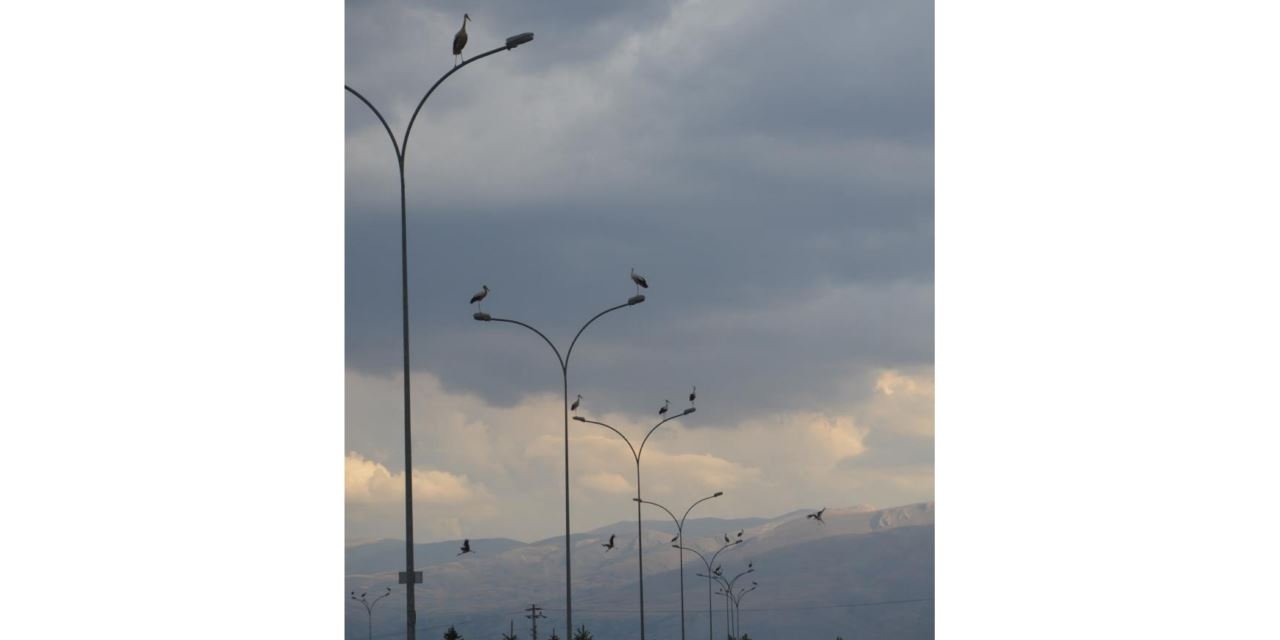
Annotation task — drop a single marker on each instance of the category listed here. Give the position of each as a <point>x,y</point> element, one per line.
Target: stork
<point>480,295</point>
<point>817,516</point>
<point>609,547</point>
<point>693,395</point>
<point>666,404</point>
<point>726,538</point>
<point>741,531</point>
<point>460,39</point>
<point>574,407</point>
<point>639,280</point>
<point>466,547</point>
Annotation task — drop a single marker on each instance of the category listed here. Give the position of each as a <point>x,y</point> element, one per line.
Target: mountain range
<point>861,573</point>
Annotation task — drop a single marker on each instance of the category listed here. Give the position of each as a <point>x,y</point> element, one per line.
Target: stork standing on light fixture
<point>639,280</point>
<point>460,40</point>
<point>479,296</point>
<point>666,404</point>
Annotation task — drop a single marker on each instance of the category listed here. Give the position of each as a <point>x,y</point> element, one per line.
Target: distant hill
<point>808,575</point>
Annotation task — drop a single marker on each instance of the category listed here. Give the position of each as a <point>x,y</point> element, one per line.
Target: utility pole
<point>534,613</point>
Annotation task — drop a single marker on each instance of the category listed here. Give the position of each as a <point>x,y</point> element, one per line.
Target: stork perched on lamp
<point>460,40</point>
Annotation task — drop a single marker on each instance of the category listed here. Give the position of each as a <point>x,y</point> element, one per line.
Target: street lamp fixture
<point>517,40</point>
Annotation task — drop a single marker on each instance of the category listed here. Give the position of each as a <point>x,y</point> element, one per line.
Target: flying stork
<point>639,280</point>
<point>666,404</point>
<point>574,407</point>
<point>609,547</point>
<point>817,516</point>
<point>480,295</point>
<point>466,547</point>
<point>460,39</point>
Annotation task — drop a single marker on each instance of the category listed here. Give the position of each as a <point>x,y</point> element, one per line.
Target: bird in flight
<point>693,395</point>
<point>676,538</point>
<point>741,531</point>
<point>484,291</point>
<point>466,547</point>
<point>817,516</point>
<point>639,280</point>
<point>574,407</point>
<point>666,404</point>
<point>460,39</point>
<point>609,547</point>
<point>717,571</point>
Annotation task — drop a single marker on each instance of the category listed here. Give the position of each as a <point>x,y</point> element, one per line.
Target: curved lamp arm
<point>686,511</point>
<point>540,334</point>
<point>375,111</point>
<point>624,438</point>
<point>569,354</point>
<point>655,427</point>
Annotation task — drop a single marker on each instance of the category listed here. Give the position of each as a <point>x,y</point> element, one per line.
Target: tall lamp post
<point>730,602</point>
<point>710,575</point>
<point>409,576</point>
<point>737,607</point>
<point>368,606</point>
<point>636,453</point>
<point>564,378</point>
<point>679,522</point>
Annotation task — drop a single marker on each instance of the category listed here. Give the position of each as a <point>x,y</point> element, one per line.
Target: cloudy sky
<point>768,166</point>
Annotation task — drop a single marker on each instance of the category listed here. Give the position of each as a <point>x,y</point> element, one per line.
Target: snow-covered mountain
<point>809,574</point>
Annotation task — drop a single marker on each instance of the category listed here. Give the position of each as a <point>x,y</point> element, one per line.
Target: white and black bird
<point>741,531</point>
<point>480,295</point>
<point>609,547</point>
<point>726,538</point>
<point>749,566</point>
<point>676,538</point>
<point>466,547</point>
<point>574,407</point>
<point>693,395</point>
<point>639,280</point>
<point>817,516</point>
<point>460,39</point>
<point>666,404</point>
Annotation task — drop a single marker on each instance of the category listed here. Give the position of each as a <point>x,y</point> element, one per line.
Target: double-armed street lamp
<point>730,601</point>
<point>409,576</point>
<point>711,574</point>
<point>679,543</point>
<point>636,453</point>
<point>363,599</point>
<point>563,361</point>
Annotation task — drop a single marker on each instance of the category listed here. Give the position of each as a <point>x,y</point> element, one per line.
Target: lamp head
<point>718,494</point>
<point>635,300</point>
<point>482,316</point>
<point>517,40</point>
<point>689,411</point>
<point>580,418</point>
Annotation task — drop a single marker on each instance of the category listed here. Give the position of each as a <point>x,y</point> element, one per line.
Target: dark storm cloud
<point>771,176</point>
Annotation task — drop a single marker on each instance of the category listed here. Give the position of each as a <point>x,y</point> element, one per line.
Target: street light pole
<point>409,576</point>
<point>680,545</point>
<point>710,575</point>
<point>564,379</point>
<point>368,606</point>
<point>636,453</point>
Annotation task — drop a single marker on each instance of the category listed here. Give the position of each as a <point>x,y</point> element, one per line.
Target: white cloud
<point>766,465</point>
<point>370,482</point>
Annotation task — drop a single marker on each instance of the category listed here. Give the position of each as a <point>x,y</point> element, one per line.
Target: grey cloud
<point>773,179</point>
